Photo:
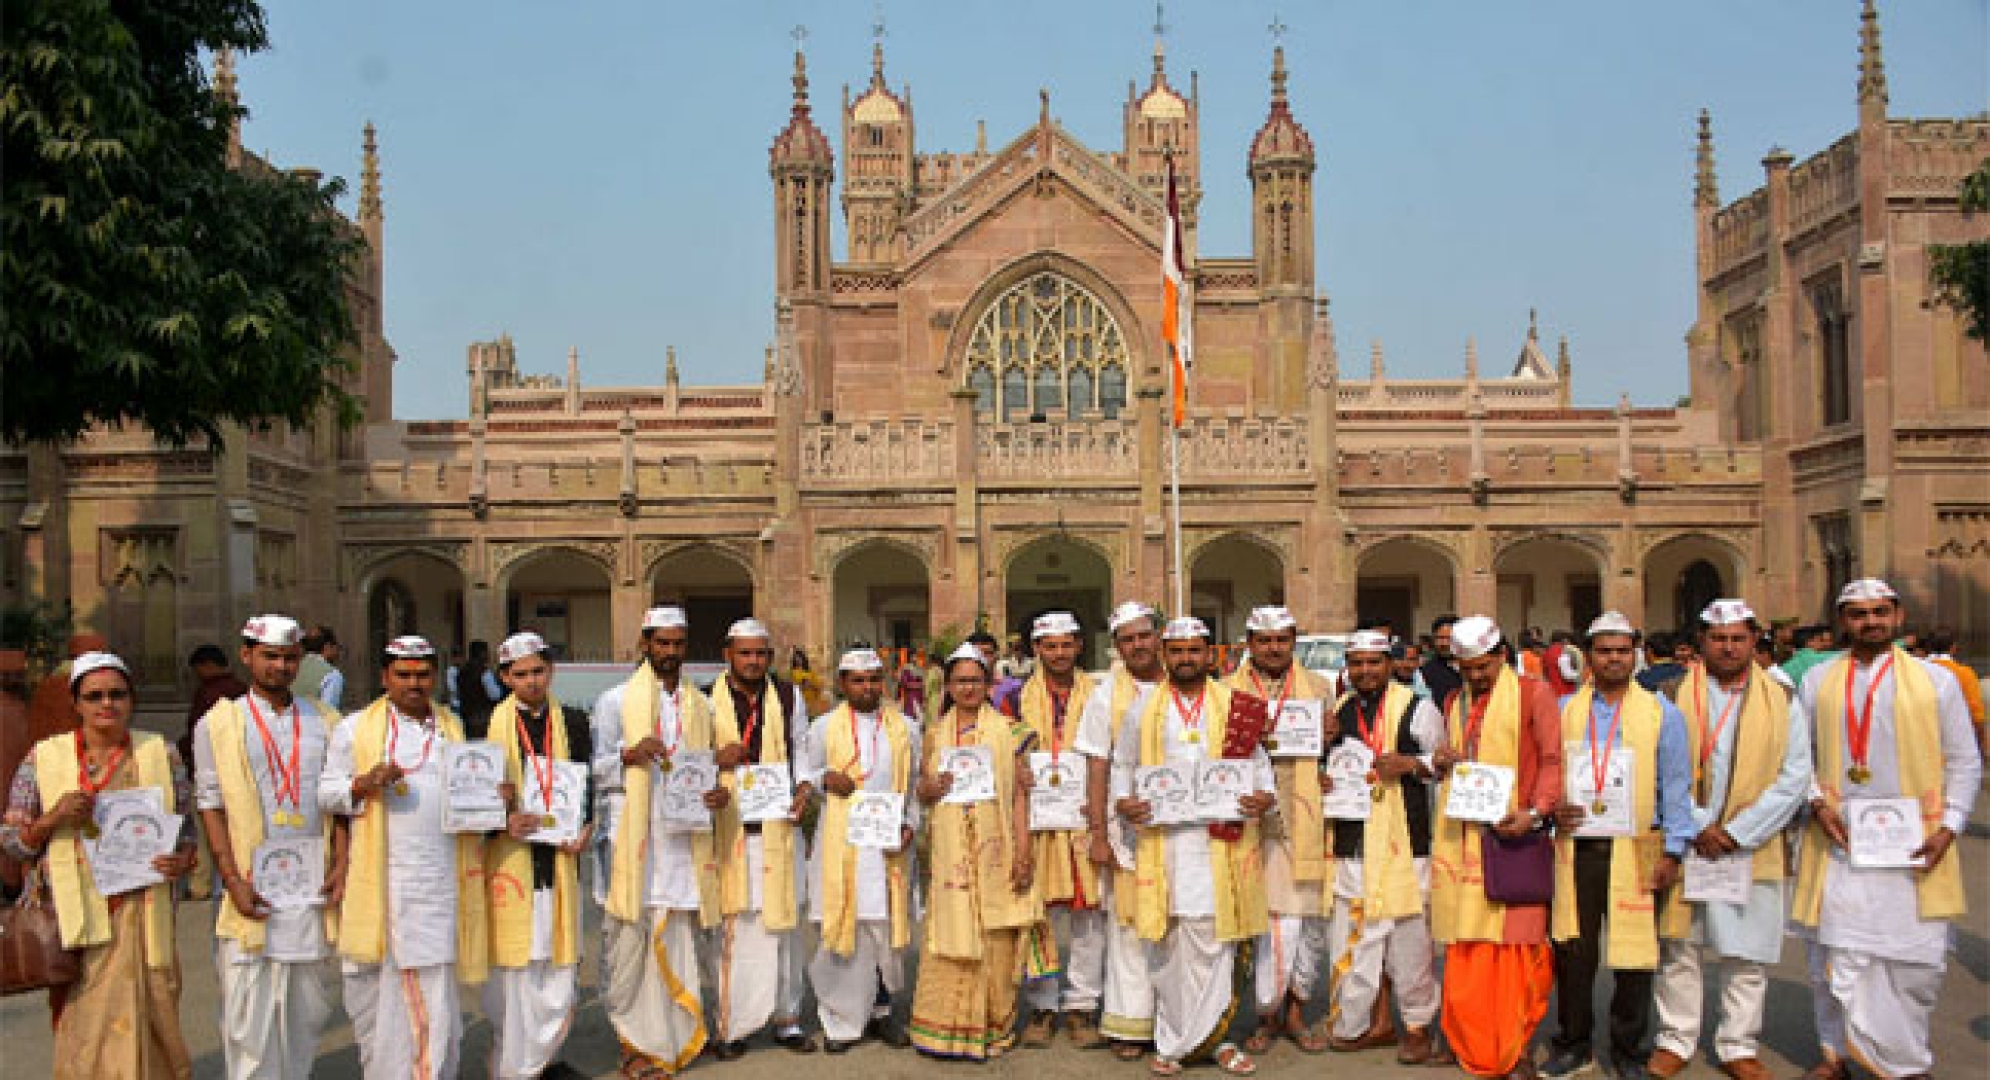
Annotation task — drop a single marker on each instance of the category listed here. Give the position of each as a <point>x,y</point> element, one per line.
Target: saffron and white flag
<point>1177,316</point>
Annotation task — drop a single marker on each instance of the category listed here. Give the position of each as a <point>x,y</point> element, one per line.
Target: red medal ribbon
<point>83,767</point>
<point>1859,723</point>
<point>1191,718</point>
<point>1711,739</point>
<point>1371,726</point>
<point>1284,692</point>
<point>676,716</point>
<point>288,780</point>
<point>394,740</point>
<point>1475,720</point>
<point>857,751</point>
<point>752,719</point>
<point>1599,760</point>
<point>1058,704</point>
<point>532,755</point>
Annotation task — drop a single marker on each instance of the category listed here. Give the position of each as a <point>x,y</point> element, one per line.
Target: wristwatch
<point>1536,815</point>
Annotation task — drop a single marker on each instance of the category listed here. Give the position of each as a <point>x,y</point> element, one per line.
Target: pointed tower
<point>1705,374</point>
<point>1281,168</point>
<point>1872,69</point>
<point>802,166</point>
<point>877,165</point>
<point>378,374</point>
<point>1161,122</point>
<point>226,89</point>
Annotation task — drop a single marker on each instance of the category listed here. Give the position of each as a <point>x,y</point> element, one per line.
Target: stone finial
<point>767,366</point>
<point>1872,69</point>
<point>224,76</point>
<point>1564,370</point>
<point>1278,74</point>
<point>369,176</point>
<point>1533,324</point>
<point>1043,106</point>
<point>573,380</point>
<point>1627,475</point>
<point>1472,361</point>
<point>670,364</point>
<point>1706,190</point>
<point>981,137</point>
<point>1375,372</point>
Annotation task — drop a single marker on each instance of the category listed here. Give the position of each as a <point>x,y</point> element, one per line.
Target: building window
<point>1047,344</point>
<point>1834,347</point>
<point>1837,553</point>
<point>1751,406</point>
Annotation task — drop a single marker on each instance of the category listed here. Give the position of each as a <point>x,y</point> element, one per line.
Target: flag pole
<point>1175,514</point>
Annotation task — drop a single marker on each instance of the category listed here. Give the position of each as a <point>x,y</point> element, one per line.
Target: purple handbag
<point>1518,871</point>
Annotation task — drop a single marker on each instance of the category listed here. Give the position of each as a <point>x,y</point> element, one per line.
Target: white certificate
<point>1169,790</point>
<point>973,769</point>
<point>1615,818</point>
<point>132,830</point>
<point>289,872</point>
<point>1725,880</point>
<point>569,788</point>
<point>1348,765</point>
<point>1219,783</point>
<point>1297,731</point>
<point>764,792</point>
<point>471,772</point>
<point>1479,792</point>
<point>874,819</point>
<point>681,802</point>
<point>1882,833</point>
<point>1057,799</point>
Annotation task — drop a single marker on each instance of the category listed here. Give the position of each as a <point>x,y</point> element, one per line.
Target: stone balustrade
<point>1058,450</point>
<point>867,452</point>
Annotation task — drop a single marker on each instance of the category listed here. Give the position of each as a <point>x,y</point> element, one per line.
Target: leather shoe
<point>1745,1069</point>
<point>1416,1047</point>
<point>834,1046</point>
<point>732,1051</point>
<point>887,1033</point>
<point>1829,1069</point>
<point>1665,1064</point>
<point>797,1042</point>
<point>1371,1040</point>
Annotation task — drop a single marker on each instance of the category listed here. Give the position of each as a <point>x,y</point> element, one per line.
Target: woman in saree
<point>979,899</point>
<point>120,1019</point>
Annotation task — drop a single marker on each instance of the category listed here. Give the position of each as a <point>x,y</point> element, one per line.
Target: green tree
<point>146,281</point>
<point>1960,273</point>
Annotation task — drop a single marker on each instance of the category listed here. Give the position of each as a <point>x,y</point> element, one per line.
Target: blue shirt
<point>1675,770</point>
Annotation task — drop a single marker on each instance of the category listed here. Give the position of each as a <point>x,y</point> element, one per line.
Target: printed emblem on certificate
<point>1219,783</point>
<point>1882,833</point>
<point>561,823</point>
<point>1724,880</point>
<point>683,806</point>
<point>1298,731</point>
<point>471,772</point>
<point>289,873</point>
<point>1169,790</point>
<point>764,792</point>
<point>132,830</point>
<point>1348,765</point>
<point>1608,813</point>
<point>874,819</point>
<point>1057,799</point>
<point>973,770</point>
<point>1479,792</point>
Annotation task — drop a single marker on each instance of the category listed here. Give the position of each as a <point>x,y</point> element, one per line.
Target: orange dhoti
<point>1495,994</point>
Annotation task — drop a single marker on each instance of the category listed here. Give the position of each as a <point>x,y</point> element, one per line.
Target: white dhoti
<point>1680,994</point>
<point>530,1008</point>
<point>1081,944</point>
<point>406,1021</point>
<point>650,986</point>
<point>1362,949</point>
<point>846,987</point>
<point>1287,959</point>
<point>758,974</point>
<point>1128,1015</point>
<point>1192,973</point>
<point>272,1013</point>
<point>1873,1009</point>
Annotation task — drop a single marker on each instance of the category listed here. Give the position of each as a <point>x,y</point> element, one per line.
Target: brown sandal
<point>1268,1030</point>
<point>1127,1051</point>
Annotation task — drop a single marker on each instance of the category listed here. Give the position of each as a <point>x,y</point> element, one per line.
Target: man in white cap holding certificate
<point>1878,886</point>
<point>257,762</point>
<point>662,883</point>
<point>863,756</point>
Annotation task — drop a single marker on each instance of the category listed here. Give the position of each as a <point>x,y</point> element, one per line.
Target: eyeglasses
<point>94,697</point>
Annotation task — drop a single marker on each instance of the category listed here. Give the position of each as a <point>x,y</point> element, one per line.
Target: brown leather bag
<point>31,953</point>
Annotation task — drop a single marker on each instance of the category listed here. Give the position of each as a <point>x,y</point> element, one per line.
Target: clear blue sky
<point>594,174</point>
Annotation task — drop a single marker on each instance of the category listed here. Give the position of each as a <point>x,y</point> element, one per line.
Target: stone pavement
<point>1962,1021</point>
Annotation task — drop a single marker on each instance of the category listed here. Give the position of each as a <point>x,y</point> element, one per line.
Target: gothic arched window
<point>1047,343</point>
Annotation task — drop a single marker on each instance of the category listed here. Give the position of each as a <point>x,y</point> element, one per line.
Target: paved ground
<point>1962,1021</point>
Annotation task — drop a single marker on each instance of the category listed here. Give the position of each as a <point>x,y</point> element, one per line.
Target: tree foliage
<point>146,281</point>
<point>1960,273</point>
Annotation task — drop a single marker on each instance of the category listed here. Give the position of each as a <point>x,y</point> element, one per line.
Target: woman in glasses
<point>121,1016</point>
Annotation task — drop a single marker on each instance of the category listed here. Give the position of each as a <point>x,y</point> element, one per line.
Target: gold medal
<point>1056,780</point>
<point>1859,774</point>
<point>1597,807</point>
<point>547,822</point>
<point>748,781</point>
<point>401,788</point>
<point>1375,793</point>
<point>1270,742</point>
<point>1192,736</point>
<point>1462,768</point>
<point>91,831</point>
<point>664,765</point>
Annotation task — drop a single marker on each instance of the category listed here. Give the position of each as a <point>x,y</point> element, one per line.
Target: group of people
<point>1455,858</point>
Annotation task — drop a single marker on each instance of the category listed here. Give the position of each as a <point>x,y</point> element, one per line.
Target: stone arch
<point>404,590</point>
<point>1552,580</point>
<point>1407,580</point>
<point>881,593</point>
<point>1677,579</point>
<point>1252,574</point>
<point>1061,570</point>
<point>657,554</point>
<point>1140,365</point>
<point>565,592</point>
<point>713,582</point>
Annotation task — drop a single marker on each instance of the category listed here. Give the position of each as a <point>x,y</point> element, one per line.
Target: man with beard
<point>1751,770</point>
<point>663,884</point>
<point>1440,668</point>
<point>1128,1016</point>
<point>412,929</point>
<point>1197,895</point>
<point>1287,955</point>
<point>862,895</point>
<point>1885,725</point>
<point>258,758</point>
<point>1066,880</point>
<point>760,964</point>
<point>1380,869</point>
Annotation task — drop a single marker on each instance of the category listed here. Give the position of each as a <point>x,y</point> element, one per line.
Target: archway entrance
<point>1549,583</point>
<point>1058,572</point>
<point>1406,583</point>
<point>715,590</point>
<point>1683,575</point>
<point>408,593</point>
<point>564,597</point>
<point>882,597</point>
<point>1230,576</point>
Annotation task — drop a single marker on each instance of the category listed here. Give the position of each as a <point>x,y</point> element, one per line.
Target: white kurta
<point>1128,1013</point>
<point>275,1003</point>
<point>1876,964</point>
<point>874,764</point>
<point>761,974</point>
<point>406,1012</point>
<point>669,869</point>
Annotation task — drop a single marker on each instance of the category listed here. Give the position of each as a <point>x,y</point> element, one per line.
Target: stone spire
<point>369,177</point>
<point>1872,70</point>
<point>1706,190</point>
<point>1281,137</point>
<point>801,141</point>
<point>1472,361</point>
<point>573,380</point>
<point>230,94</point>
<point>1564,371</point>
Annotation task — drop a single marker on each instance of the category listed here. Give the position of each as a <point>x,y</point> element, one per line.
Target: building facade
<point>961,421</point>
